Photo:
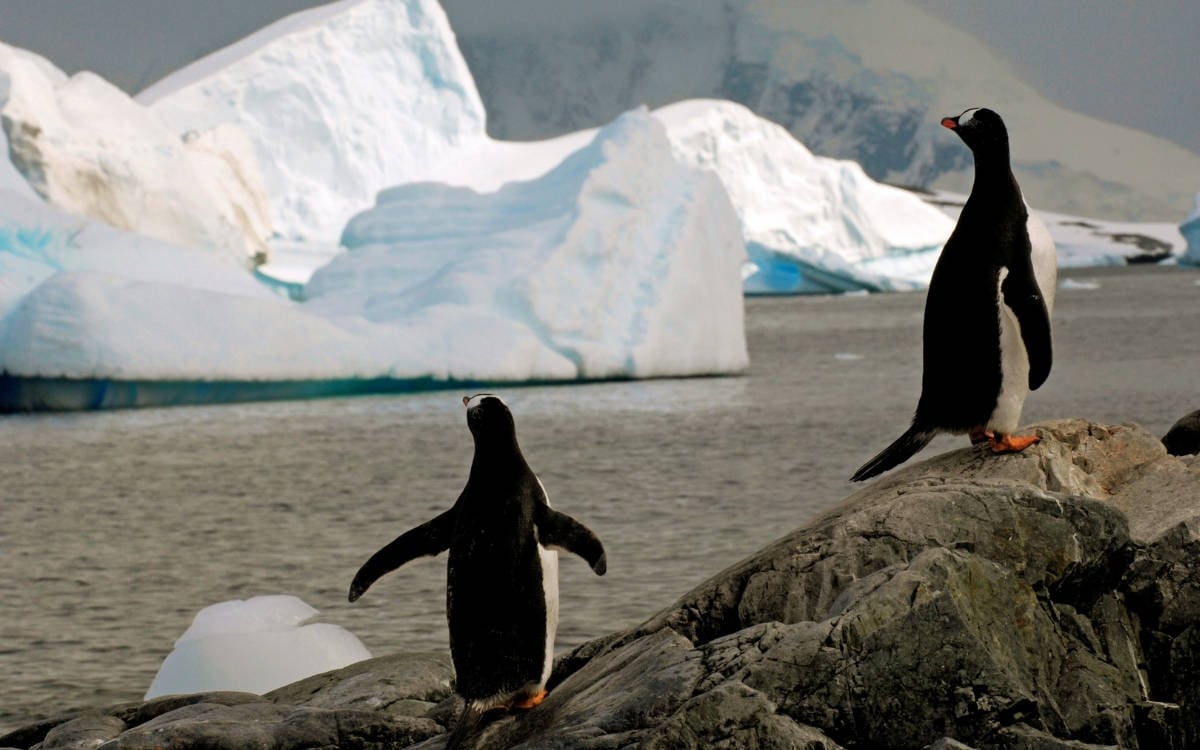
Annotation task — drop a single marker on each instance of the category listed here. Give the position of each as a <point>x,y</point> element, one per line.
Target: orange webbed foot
<point>529,702</point>
<point>1001,443</point>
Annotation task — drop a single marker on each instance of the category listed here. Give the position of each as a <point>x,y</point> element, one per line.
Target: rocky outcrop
<point>1049,599</point>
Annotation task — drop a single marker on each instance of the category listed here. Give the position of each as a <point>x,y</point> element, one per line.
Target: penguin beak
<point>466,400</point>
<point>950,122</point>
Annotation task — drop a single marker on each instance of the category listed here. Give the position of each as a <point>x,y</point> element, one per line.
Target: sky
<point>1129,63</point>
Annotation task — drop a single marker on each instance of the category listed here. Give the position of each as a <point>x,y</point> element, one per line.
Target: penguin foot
<point>1001,443</point>
<point>529,702</point>
<point>980,435</point>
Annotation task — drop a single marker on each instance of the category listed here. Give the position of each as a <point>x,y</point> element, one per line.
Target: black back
<point>495,593</point>
<point>962,375</point>
<point>494,597</point>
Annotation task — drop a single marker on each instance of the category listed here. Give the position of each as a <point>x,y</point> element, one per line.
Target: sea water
<point>117,527</point>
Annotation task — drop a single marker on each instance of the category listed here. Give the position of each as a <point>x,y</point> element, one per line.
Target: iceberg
<point>1190,229</point>
<point>86,147</point>
<point>439,284</point>
<point>254,645</point>
<point>620,226</point>
<point>811,224</point>
<point>401,107</point>
<point>339,101</point>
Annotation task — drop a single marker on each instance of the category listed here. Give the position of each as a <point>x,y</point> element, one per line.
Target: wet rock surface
<point>1049,599</point>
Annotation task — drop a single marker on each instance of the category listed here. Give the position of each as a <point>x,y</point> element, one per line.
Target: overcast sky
<point>1133,63</point>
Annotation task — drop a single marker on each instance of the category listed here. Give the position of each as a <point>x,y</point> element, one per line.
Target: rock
<point>398,685</point>
<point>268,725</point>
<point>1183,439</point>
<point>87,731</point>
<point>948,743</point>
<point>1044,600</point>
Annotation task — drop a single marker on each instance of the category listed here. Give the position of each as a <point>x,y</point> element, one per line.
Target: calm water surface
<point>115,528</point>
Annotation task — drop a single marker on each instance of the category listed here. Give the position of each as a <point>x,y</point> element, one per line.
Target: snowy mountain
<point>866,80</point>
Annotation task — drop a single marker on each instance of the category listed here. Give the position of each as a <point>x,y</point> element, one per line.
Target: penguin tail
<point>904,448</point>
<point>465,729</point>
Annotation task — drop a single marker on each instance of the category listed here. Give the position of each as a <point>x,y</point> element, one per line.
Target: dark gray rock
<point>268,726</point>
<point>1183,439</point>
<point>397,685</point>
<point>87,731</point>
<point>1044,600</point>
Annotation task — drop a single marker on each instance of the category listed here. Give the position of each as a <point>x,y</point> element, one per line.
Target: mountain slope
<point>864,80</point>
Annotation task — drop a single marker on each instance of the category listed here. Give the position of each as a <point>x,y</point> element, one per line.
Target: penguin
<point>502,571</point>
<point>987,340</point>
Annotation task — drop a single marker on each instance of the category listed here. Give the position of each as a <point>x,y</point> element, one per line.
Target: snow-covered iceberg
<point>621,262</point>
<point>1190,229</point>
<point>400,106</point>
<point>811,224</point>
<point>340,101</point>
<point>89,149</point>
<point>254,645</point>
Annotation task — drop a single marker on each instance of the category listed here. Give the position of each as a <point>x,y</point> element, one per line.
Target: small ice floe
<point>1088,284</point>
<point>255,645</point>
<point>847,356</point>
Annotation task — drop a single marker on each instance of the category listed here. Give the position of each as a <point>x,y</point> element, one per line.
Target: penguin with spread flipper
<point>502,572</point>
<point>987,314</point>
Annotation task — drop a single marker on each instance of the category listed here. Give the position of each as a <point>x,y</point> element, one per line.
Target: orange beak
<point>949,122</point>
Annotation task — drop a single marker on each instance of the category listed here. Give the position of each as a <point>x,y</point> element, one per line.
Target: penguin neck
<point>495,457</point>
<point>994,180</point>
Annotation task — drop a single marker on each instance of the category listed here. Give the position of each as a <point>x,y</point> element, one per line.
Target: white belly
<point>549,559</point>
<point>1044,257</point>
<point>1014,369</point>
<point>550,588</point>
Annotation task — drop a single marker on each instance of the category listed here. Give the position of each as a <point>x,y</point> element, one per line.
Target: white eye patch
<point>967,117</point>
<point>473,401</point>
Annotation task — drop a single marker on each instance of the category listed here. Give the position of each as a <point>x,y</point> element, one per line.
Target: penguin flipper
<point>426,540</point>
<point>563,532</point>
<point>903,448</point>
<point>1025,300</point>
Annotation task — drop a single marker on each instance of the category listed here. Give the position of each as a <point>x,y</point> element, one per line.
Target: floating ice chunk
<point>1084,284</point>
<point>255,645</point>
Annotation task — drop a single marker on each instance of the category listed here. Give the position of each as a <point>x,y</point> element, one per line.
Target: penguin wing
<point>560,531</point>
<point>426,540</point>
<point>1023,297</point>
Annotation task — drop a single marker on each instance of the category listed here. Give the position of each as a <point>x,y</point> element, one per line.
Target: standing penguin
<point>987,313</point>
<point>502,574</point>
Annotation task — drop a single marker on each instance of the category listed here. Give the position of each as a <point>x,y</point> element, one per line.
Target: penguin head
<point>489,418</point>
<point>978,127</point>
